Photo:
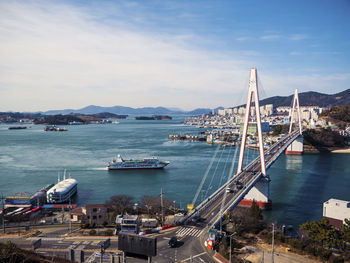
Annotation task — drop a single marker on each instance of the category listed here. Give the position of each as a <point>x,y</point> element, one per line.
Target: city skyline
<point>162,53</point>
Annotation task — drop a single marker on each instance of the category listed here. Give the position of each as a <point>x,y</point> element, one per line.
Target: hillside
<point>339,113</point>
<point>311,98</point>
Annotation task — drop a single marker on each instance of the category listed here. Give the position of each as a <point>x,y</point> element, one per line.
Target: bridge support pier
<point>296,147</point>
<point>260,193</point>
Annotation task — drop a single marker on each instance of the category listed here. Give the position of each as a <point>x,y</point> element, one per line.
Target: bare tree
<point>120,203</point>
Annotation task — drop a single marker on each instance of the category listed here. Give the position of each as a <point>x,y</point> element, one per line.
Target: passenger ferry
<point>62,191</point>
<point>147,163</point>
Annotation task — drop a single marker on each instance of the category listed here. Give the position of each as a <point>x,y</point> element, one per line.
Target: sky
<point>183,54</point>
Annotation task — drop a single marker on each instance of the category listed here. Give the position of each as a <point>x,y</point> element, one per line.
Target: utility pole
<point>273,242</point>
<point>70,216</point>
<point>3,213</point>
<point>161,204</point>
<point>231,246</point>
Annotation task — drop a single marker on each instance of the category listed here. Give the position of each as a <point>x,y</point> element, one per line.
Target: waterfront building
<point>221,112</point>
<point>128,224</point>
<point>252,127</point>
<point>336,211</point>
<point>283,109</point>
<point>90,213</point>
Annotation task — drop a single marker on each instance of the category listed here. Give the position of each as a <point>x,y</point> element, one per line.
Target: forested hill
<point>339,113</point>
<point>311,98</point>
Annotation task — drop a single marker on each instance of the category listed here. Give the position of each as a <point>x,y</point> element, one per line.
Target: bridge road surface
<point>210,211</point>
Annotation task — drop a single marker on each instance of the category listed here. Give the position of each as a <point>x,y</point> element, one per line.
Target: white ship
<point>62,191</point>
<point>146,163</point>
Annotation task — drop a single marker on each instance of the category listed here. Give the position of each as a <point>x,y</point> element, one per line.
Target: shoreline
<point>312,149</point>
<point>345,150</point>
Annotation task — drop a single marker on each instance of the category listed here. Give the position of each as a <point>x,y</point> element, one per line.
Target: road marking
<point>160,234</point>
<point>213,209</point>
<point>189,231</point>
<point>196,256</point>
<point>81,247</point>
<point>196,233</point>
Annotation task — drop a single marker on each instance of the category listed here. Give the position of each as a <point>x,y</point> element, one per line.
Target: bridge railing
<point>214,195</point>
<point>253,180</point>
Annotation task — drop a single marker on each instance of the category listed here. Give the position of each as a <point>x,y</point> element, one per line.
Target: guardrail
<point>254,179</point>
<point>290,138</point>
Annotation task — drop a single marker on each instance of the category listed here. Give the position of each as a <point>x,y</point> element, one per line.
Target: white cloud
<point>270,37</point>
<point>295,53</point>
<point>244,38</point>
<point>59,56</point>
<point>297,37</point>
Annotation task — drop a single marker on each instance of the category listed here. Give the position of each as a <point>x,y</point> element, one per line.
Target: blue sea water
<point>32,158</point>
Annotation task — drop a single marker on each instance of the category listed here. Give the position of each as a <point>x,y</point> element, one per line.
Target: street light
<point>231,245</point>
<point>136,208</point>
<point>148,207</point>
<point>273,242</point>
<point>174,209</point>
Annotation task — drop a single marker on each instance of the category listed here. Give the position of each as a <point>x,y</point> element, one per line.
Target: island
<point>154,117</point>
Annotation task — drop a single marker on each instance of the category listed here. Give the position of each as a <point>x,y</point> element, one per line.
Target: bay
<point>32,158</point>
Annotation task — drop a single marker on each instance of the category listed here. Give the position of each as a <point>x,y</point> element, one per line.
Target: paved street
<point>54,243</point>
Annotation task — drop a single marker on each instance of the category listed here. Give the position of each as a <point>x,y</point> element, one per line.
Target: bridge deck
<point>213,208</point>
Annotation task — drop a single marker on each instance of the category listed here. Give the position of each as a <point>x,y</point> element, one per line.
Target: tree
<point>255,211</point>
<point>346,230</point>
<point>121,203</point>
<point>322,233</point>
<point>280,129</point>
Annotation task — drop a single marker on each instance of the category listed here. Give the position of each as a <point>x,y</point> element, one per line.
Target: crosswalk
<point>189,231</point>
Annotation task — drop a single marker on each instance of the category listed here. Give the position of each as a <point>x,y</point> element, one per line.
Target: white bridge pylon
<point>297,146</point>
<point>295,109</point>
<point>260,193</point>
<point>252,91</point>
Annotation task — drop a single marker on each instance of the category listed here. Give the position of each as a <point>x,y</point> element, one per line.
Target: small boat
<point>17,127</point>
<point>147,163</point>
<point>54,128</point>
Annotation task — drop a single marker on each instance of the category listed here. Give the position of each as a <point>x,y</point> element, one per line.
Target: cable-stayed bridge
<point>249,183</point>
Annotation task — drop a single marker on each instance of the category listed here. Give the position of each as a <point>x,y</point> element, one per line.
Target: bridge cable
<point>228,179</point>
<point>217,165</point>
<point>223,172</point>
<point>205,175</point>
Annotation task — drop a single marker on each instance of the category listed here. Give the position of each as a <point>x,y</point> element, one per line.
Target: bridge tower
<point>260,193</point>
<point>296,147</point>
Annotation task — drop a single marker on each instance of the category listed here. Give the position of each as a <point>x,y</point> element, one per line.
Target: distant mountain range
<point>92,109</point>
<point>309,98</point>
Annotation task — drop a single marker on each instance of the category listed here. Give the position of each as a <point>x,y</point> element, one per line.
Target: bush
<point>296,243</point>
<point>109,232</point>
<point>310,248</point>
<point>104,223</point>
<point>92,232</point>
<point>87,225</point>
<point>335,259</point>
